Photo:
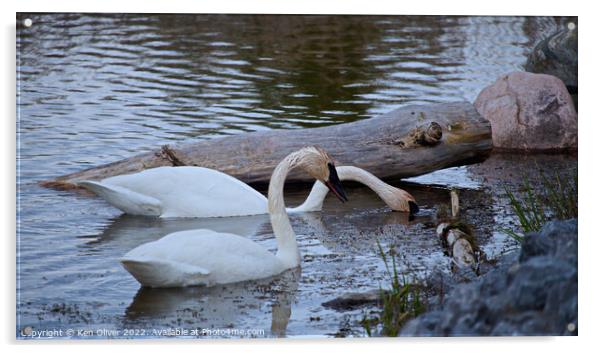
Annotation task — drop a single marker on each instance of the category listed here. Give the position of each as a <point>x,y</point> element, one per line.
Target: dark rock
<point>534,296</point>
<point>556,55</point>
<point>555,239</point>
<point>442,281</point>
<point>528,323</point>
<point>530,285</point>
<point>428,323</point>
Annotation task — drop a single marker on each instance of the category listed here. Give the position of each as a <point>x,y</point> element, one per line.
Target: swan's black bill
<point>413,207</point>
<point>334,184</point>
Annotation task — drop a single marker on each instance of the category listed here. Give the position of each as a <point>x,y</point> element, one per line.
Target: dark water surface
<point>94,89</point>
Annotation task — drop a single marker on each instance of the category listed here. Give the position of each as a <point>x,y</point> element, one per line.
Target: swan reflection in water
<point>127,231</point>
<point>237,306</point>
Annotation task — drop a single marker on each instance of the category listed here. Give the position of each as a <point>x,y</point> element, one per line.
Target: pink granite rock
<point>529,112</point>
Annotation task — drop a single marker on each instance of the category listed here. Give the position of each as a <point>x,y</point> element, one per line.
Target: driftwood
<point>455,203</point>
<point>458,244</point>
<point>457,238</point>
<point>406,142</point>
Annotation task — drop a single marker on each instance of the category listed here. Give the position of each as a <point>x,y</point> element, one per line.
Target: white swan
<point>397,199</point>
<point>203,192</point>
<point>205,257</point>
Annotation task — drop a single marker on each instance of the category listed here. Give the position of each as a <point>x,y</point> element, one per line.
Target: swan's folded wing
<point>125,199</point>
<point>165,273</point>
<point>193,192</point>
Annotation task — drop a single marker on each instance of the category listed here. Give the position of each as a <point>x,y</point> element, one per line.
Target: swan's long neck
<point>314,200</point>
<point>318,193</point>
<point>364,177</point>
<point>389,194</point>
<point>288,252</point>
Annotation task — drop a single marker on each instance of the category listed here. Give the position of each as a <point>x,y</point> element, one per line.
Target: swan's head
<point>320,165</point>
<point>401,200</point>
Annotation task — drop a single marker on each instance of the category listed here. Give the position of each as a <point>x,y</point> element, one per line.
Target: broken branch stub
<point>455,203</point>
<point>426,135</point>
<point>170,155</point>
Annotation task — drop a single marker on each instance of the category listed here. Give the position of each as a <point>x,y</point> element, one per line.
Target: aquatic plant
<point>555,198</point>
<point>400,303</point>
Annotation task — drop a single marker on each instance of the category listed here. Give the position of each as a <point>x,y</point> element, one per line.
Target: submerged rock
<point>529,112</point>
<point>536,296</point>
<point>350,301</point>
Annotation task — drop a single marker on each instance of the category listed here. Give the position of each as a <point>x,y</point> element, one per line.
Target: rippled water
<point>93,89</point>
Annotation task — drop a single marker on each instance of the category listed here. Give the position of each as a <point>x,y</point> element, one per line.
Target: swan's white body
<point>203,192</point>
<point>180,192</point>
<point>205,257</point>
<point>200,257</point>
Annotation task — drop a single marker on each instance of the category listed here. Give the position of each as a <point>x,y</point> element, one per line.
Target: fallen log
<point>406,142</point>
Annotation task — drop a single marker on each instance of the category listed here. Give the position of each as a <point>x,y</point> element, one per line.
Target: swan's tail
<point>161,273</point>
<point>124,199</point>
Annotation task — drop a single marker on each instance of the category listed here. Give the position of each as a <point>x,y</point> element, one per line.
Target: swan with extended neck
<point>205,257</point>
<point>203,192</point>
